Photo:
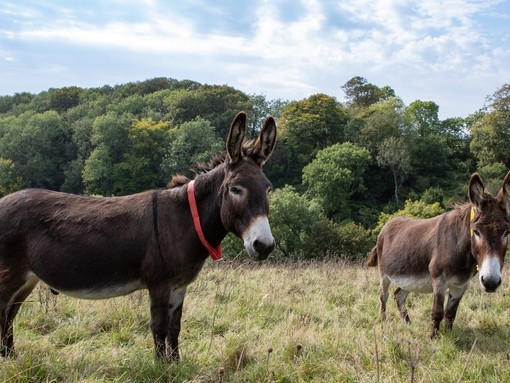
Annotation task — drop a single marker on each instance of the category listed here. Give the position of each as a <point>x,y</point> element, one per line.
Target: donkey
<point>442,254</point>
<point>103,247</point>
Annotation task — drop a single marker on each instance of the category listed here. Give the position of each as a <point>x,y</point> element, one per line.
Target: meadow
<point>265,322</point>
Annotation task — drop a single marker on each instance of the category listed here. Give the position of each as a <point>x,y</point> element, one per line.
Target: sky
<point>452,52</point>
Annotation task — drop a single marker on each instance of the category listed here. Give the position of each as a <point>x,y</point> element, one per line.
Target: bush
<point>302,231</point>
<point>412,209</point>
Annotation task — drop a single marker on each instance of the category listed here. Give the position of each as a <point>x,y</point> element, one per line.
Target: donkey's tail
<point>372,258</point>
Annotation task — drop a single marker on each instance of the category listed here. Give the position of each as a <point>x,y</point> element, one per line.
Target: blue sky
<point>452,52</point>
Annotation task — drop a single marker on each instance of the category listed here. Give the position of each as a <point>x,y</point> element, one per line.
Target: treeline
<point>339,170</point>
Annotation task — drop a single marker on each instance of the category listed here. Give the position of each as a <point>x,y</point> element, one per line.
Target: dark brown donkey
<point>440,255</point>
<point>95,247</point>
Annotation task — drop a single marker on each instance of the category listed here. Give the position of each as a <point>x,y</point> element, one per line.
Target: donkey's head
<point>245,200</point>
<point>490,225</point>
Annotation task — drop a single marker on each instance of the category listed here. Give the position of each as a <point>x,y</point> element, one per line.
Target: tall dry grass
<point>302,322</point>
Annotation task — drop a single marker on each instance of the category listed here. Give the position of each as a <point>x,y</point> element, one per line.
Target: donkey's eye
<point>477,233</point>
<point>236,190</point>
<point>505,235</point>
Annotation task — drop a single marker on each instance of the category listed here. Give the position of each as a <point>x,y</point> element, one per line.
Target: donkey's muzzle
<point>263,249</point>
<point>258,240</point>
<point>490,284</point>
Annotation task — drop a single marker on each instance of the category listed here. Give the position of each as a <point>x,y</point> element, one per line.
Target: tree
<point>361,94</point>
<point>491,138</point>
<point>110,142</point>
<point>261,107</point>
<point>491,130</point>
<point>39,146</point>
<point>9,179</point>
<point>380,122</point>
<point>214,103</point>
<point>334,176</point>
<point>97,172</point>
<point>500,100</point>
<point>293,217</point>
<point>422,117</point>
<point>305,127</point>
<point>412,209</point>
<point>64,98</point>
<point>394,154</point>
<point>141,167</point>
<point>193,142</point>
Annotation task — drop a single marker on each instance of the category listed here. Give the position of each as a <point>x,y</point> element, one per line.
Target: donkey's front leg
<point>437,306</point>
<point>452,305</point>
<point>159,299</point>
<point>174,322</point>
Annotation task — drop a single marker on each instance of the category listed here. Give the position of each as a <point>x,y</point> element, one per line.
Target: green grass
<point>308,322</point>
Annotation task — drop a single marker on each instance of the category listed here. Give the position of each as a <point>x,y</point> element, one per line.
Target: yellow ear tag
<point>471,217</point>
<point>477,268</point>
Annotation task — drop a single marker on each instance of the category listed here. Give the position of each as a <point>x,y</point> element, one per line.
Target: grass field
<point>251,322</point>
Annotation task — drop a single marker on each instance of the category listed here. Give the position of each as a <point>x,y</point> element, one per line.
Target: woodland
<point>339,172</point>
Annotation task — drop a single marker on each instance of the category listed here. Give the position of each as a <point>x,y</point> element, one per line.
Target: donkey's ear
<point>504,194</point>
<point>265,143</point>
<point>236,137</point>
<point>476,191</point>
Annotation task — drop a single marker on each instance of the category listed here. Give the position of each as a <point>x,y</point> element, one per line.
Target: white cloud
<point>406,45</point>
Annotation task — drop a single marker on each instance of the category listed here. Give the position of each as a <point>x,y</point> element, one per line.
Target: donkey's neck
<point>209,198</point>
<point>464,232</point>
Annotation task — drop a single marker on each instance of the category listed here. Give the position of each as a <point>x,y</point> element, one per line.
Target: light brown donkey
<point>440,255</point>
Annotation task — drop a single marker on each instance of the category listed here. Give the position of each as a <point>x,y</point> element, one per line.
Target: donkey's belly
<point>103,292</point>
<point>414,283</point>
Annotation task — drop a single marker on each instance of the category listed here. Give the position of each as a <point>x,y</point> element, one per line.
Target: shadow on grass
<point>489,340</point>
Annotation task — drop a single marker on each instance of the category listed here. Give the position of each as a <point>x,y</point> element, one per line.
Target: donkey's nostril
<point>263,249</point>
<point>490,284</point>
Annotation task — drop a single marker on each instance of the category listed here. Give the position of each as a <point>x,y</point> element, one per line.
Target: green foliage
<point>131,137</point>
<point>140,169</point>
<point>111,141</point>
<point>394,154</point>
<point>361,94</point>
<point>491,138</point>
<point>293,219</point>
<point>492,175</point>
<point>193,142</point>
<point>422,117</point>
<point>412,209</point>
<point>98,171</point>
<point>9,180</point>
<point>38,144</point>
<point>217,104</point>
<point>305,127</point>
<point>301,230</point>
<point>335,175</point>
<point>64,99</point>
<point>380,122</point>
<point>348,240</point>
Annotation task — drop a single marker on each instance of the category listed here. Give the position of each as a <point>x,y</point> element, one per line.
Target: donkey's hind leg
<point>400,297</point>
<point>385,284</point>
<point>12,295</point>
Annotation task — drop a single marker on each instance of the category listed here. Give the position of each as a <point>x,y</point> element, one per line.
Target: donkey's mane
<point>205,167</point>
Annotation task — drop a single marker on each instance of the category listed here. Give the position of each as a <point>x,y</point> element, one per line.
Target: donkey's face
<point>245,201</point>
<point>490,226</point>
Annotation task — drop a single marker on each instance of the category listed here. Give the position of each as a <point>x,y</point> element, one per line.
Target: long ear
<point>265,143</point>
<point>504,195</point>
<point>236,137</point>
<point>476,191</point>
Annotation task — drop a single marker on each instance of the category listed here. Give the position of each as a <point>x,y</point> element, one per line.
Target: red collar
<point>215,253</point>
